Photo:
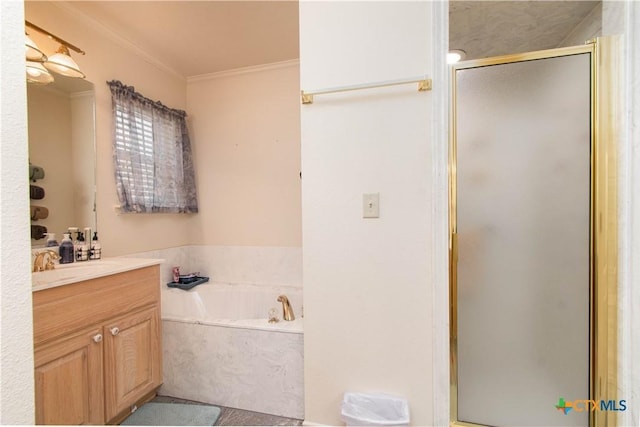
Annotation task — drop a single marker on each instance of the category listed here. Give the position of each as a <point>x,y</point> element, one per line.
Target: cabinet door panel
<point>133,364</point>
<point>68,380</point>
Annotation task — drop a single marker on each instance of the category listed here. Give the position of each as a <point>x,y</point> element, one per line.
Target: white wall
<point>16,325</point>
<point>367,282</point>
<point>246,129</point>
<point>107,58</point>
<point>622,18</point>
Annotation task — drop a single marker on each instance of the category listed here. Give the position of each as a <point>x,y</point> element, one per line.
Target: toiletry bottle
<point>51,240</point>
<point>80,248</point>
<point>87,239</point>
<point>96,249</point>
<point>86,248</point>
<point>66,250</point>
<point>73,233</point>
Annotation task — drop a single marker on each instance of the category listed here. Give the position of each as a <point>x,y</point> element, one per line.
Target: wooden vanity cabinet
<point>132,360</point>
<point>69,381</point>
<point>98,348</point>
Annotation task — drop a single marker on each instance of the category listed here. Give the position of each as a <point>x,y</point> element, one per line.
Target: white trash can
<point>374,409</point>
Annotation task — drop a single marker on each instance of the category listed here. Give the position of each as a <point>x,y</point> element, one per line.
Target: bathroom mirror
<point>62,142</point>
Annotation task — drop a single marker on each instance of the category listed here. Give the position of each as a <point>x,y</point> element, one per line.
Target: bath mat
<point>173,414</point>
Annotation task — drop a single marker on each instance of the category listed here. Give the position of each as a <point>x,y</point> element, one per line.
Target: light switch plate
<point>371,205</point>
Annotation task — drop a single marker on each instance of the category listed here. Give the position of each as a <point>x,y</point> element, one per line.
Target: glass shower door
<point>523,185</point>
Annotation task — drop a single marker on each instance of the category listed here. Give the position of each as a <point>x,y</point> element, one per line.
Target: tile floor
<point>238,417</point>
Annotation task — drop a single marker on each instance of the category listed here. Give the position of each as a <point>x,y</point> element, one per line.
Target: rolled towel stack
<point>38,232</point>
<point>36,193</point>
<point>35,173</point>
<point>39,212</point>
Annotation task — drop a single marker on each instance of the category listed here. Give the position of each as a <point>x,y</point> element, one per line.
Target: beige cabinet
<point>97,347</point>
<point>69,381</point>
<point>132,360</point>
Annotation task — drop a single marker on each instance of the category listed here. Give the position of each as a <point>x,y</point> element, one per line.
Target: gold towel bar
<point>424,84</point>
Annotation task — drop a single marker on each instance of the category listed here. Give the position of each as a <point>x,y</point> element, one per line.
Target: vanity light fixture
<point>60,62</point>
<point>33,52</point>
<point>37,74</point>
<point>455,55</point>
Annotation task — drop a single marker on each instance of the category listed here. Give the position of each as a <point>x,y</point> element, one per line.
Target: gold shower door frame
<point>604,54</point>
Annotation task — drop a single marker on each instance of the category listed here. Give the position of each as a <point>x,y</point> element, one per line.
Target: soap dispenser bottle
<point>71,231</point>
<point>86,248</point>
<point>96,248</point>
<point>51,240</point>
<point>66,250</point>
<point>74,239</point>
<point>82,251</point>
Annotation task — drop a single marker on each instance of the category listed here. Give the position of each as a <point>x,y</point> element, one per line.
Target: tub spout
<point>287,311</point>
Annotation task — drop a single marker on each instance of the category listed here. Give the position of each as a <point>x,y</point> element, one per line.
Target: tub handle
<point>115,331</point>
<point>97,338</point>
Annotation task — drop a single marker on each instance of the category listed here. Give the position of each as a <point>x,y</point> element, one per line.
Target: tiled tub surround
<point>256,265</point>
<point>219,348</point>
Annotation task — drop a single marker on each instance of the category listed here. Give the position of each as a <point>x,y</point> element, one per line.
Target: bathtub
<point>219,348</point>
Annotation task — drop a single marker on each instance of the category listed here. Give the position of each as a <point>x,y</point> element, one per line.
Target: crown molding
<point>244,70</point>
<point>115,37</point>
<point>83,94</point>
<point>61,93</point>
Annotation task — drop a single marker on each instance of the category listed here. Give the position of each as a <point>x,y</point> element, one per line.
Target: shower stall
<point>533,242</point>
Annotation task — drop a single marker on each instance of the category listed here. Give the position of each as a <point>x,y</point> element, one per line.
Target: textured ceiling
<point>491,28</point>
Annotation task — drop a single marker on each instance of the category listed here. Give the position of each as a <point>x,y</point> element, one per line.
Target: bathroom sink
<point>85,265</point>
<point>65,272</point>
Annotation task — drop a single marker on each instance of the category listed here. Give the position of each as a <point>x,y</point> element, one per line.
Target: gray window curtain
<point>152,154</point>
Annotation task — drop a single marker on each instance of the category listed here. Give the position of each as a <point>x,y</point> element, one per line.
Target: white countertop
<point>65,274</point>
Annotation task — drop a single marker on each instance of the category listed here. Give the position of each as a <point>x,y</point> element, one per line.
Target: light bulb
<point>455,55</point>
<point>61,63</point>
<point>37,74</point>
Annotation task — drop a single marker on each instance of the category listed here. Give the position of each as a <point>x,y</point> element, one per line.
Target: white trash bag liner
<point>374,409</point>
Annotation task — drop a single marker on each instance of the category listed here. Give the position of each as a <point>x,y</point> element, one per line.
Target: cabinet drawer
<point>62,310</point>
